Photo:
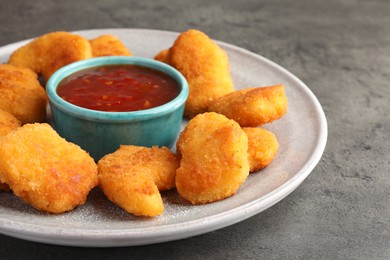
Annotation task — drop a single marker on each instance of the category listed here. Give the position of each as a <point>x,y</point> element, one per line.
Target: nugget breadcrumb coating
<point>8,123</point>
<point>214,159</point>
<point>262,147</point>
<point>49,52</point>
<point>45,170</point>
<point>253,106</point>
<point>132,176</point>
<point>205,66</point>
<point>21,94</point>
<point>163,56</point>
<point>108,45</point>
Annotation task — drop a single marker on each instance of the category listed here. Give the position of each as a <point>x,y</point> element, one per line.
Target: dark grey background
<point>340,49</point>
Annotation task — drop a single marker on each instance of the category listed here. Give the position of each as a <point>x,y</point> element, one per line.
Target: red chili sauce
<point>118,88</point>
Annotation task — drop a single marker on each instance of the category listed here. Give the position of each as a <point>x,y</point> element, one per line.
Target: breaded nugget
<point>21,94</point>
<point>108,45</point>
<point>262,147</point>
<point>132,176</point>
<point>18,76</point>
<point>8,123</point>
<point>214,159</point>
<point>45,170</point>
<point>51,51</point>
<point>253,106</point>
<point>204,64</point>
<point>163,56</point>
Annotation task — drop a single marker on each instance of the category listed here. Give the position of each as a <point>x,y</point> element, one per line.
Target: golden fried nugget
<point>108,45</point>
<point>253,106</point>
<point>18,76</point>
<point>21,94</point>
<point>45,170</point>
<point>8,123</point>
<point>204,64</point>
<point>51,51</point>
<point>163,56</point>
<point>132,176</point>
<point>214,159</point>
<point>262,147</point>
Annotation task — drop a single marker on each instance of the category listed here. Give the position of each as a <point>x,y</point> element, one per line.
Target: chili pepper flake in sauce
<point>118,88</point>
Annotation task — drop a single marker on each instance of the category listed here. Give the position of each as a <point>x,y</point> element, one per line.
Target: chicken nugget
<point>214,159</point>
<point>45,170</point>
<point>108,45</point>
<point>21,94</point>
<point>8,123</point>
<point>205,66</point>
<point>49,52</point>
<point>163,56</point>
<point>132,176</point>
<point>253,106</point>
<point>262,147</point>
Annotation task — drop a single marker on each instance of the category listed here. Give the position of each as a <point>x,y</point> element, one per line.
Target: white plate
<point>302,134</point>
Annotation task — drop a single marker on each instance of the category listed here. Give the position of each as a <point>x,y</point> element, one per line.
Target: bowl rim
<point>95,115</point>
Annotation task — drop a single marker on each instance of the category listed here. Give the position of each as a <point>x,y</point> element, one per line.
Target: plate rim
<point>170,232</point>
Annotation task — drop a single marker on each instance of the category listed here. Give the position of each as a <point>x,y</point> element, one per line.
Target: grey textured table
<point>340,49</point>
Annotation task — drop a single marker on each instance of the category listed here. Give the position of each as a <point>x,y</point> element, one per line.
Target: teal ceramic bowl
<point>101,133</point>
